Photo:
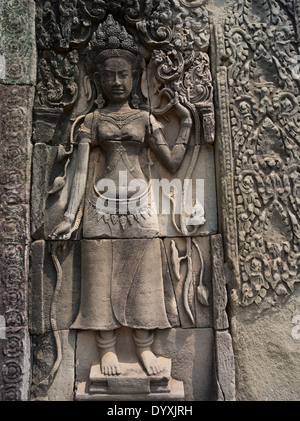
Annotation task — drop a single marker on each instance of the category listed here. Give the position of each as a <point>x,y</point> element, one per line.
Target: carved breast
<point>121,127</point>
<point>121,137</point>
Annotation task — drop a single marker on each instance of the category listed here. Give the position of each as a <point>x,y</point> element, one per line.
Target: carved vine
<point>264,111</point>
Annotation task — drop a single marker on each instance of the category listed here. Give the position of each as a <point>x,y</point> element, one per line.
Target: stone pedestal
<point>132,384</point>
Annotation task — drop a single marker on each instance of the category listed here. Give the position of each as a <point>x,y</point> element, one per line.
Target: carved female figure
<point>122,280</point>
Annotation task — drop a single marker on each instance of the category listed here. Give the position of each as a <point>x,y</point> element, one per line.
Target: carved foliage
<point>15,43</point>
<point>175,31</point>
<point>16,67</point>
<point>16,104</point>
<point>264,112</point>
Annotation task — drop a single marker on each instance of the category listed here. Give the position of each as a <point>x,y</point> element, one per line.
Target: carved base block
<point>132,384</point>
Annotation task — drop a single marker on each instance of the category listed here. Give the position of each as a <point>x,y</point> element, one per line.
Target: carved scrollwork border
<point>17,74</point>
<point>257,53</point>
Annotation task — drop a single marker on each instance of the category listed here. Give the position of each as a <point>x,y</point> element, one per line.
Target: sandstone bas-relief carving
<point>17,75</point>
<point>260,42</point>
<point>13,373</point>
<point>255,47</point>
<point>121,132</point>
<point>175,86</point>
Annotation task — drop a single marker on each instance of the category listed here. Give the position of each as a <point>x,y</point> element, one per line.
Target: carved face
<point>116,79</point>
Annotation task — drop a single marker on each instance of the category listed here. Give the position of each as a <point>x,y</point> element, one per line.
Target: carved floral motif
<point>15,43</point>
<point>16,103</point>
<point>176,29</point>
<point>264,112</point>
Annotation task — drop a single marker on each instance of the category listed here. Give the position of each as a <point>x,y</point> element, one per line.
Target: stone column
<point>256,64</point>
<point>17,77</point>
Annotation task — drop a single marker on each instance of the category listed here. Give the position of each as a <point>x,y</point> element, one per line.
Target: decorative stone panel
<point>17,73</point>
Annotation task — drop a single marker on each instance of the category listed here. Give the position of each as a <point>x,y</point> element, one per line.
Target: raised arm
<point>63,230</point>
<point>171,158</point>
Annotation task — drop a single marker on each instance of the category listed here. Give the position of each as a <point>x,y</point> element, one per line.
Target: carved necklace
<point>120,120</point>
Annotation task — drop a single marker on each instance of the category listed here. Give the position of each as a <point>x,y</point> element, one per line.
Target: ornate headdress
<point>111,40</point>
<point>111,35</point>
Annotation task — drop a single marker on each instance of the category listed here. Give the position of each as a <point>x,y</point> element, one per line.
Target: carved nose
<point>117,81</point>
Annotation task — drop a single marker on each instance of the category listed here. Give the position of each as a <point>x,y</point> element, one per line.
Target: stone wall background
<point>255,53</point>
<point>17,79</point>
<point>254,66</point>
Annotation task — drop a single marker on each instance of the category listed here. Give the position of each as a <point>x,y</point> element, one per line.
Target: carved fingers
<point>62,231</point>
<point>182,111</point>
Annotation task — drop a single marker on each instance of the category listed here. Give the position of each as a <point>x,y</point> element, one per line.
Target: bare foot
<point>106,341</point>
<point>149,360</point>
<point>109,363</point>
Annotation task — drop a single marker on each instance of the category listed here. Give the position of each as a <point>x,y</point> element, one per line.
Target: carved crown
<point>112,35</point>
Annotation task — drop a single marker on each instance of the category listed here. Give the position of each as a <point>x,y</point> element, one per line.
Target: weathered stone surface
<point>193,360</point>
<point>15,130</point>
<point>15,161</point>
<point>182,346</point>
<point>204,171</point>
<point>132,384</point>
<point>17,42</point>
<point>48,300</point>
<point>15,363</point>
<point>219,281</point>
<point>225,366</point>
<point>47,209</point>
<point>260,150</point>
<point>266,352</point>
<point>53,371</point>
<point>53,305</point>
<point>124,95</point>
<point>256,90</point>
<point>40,186</point>
<point>62,388</point>
<point>189,264</point>
<point>176,393</point>
<point>257,171</point>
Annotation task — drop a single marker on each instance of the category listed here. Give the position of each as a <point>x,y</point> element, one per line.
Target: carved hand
<point>181,111</point>
<point>62,231</point>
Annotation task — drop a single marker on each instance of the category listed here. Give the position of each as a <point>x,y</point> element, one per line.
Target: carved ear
<point>88,88</point>
<point>97,82</point>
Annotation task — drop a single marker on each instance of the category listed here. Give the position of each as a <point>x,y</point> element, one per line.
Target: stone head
<point>116,79</point>
<point>117,74</point>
